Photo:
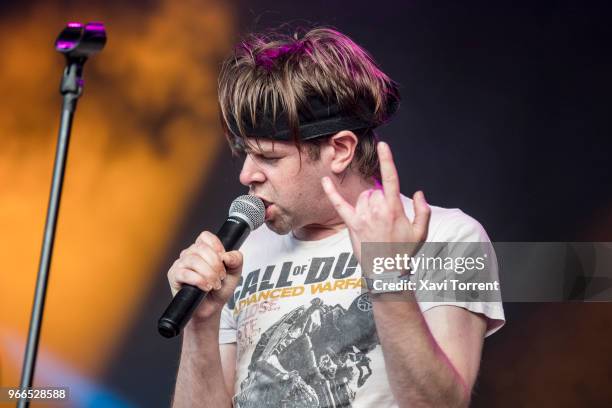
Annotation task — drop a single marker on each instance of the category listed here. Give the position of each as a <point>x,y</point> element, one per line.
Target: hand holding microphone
<point>207,266</point>
<point>205,275</point>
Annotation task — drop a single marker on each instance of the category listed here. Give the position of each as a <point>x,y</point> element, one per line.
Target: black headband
<point>320,119</point>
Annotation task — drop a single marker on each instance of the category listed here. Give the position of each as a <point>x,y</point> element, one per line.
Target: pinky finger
<point>422,213</point>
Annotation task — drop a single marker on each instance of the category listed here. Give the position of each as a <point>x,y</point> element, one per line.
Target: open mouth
<point>266,202</point>
<point>267,205</point>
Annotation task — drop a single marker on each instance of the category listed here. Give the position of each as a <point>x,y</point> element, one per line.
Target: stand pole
<point>71,88</point>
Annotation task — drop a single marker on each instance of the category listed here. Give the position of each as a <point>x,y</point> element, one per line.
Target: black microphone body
<point>232,234</point>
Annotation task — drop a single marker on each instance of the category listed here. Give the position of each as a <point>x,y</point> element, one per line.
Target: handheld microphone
<point>246,213</point>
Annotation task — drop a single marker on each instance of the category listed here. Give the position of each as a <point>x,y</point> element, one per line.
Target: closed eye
<point>270,159</point>
<point>266,159</point>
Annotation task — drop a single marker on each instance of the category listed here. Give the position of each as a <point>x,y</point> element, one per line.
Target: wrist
<point>203,326</point>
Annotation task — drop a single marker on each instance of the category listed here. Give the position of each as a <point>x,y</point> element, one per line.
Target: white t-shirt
<point>304,329</point>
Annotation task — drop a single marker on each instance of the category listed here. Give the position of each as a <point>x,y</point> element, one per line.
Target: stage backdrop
<point>504,115</point>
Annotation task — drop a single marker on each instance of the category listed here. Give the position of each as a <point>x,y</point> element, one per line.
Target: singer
<point>286,322</point>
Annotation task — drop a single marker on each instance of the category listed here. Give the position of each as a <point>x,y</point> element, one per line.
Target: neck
<point>350,188</point>
<point>315,232</point>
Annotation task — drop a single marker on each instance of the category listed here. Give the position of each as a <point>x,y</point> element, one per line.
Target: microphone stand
<point>77,43</point>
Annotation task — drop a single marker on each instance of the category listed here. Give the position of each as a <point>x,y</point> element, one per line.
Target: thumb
<point>232,260</point>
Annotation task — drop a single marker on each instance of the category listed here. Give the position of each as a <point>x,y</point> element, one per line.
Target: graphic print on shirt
<point>289,280</point>
<point>314,356</point>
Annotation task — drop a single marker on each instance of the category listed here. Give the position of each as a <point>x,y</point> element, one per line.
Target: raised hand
<point>378,215</point>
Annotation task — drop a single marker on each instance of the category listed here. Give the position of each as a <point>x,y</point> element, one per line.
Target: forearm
<point>199,381</point>
<point>419,372</point>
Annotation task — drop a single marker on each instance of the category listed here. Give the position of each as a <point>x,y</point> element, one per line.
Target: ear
<point>342,150</point>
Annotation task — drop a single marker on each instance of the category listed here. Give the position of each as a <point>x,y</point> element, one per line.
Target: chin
<point>280,228</point>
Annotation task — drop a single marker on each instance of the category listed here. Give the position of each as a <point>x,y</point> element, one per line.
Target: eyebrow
<point>242,147</point>
<point>250,151</point>
<point>259,149</point>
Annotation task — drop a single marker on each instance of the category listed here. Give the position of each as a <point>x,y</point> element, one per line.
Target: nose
<point>251,173</point>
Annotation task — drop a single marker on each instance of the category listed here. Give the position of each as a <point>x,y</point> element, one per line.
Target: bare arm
<point>206,370</point>
<point>432,359</point>
<point>199,382</point>
<point>228,363</point>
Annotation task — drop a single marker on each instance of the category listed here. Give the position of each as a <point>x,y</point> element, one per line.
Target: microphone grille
<point>249,208</point>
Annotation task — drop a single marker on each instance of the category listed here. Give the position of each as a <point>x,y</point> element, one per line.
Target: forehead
<point>251,144</point>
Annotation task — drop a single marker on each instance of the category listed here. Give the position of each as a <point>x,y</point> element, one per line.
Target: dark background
<point>505,114</point>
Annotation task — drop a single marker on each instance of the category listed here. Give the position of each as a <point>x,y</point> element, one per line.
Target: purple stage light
<point>65,44</point>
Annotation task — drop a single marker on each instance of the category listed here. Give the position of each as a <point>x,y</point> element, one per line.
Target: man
<point>287,322</point>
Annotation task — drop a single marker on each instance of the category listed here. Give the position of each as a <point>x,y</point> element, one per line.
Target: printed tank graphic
<point>313,357</point>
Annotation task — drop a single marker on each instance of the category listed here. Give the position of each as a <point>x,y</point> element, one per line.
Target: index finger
<point>388,172</point>
<point>211,240</point>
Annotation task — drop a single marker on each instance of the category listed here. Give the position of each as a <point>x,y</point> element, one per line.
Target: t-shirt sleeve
<point>456,226</point>
<point>227,326</point>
